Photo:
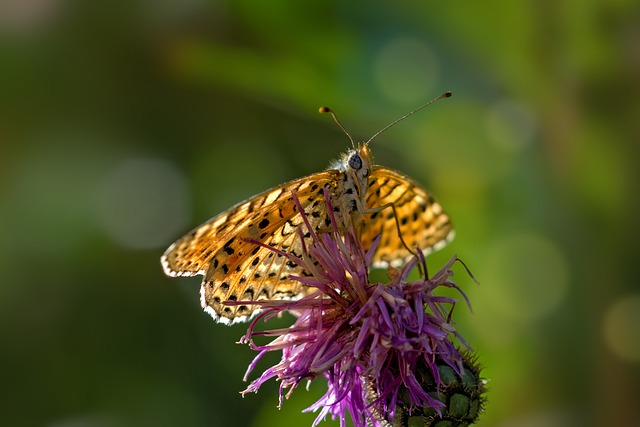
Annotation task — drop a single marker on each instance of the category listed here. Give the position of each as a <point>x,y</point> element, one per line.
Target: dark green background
<point>125,124</point>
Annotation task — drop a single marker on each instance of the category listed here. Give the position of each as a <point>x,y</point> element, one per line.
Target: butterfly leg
<point>395,217</point>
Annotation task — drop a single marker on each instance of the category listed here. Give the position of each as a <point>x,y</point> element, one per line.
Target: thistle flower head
<point>370,341</point>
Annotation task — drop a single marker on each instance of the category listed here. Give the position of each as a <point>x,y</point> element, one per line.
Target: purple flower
<point>372,342</point>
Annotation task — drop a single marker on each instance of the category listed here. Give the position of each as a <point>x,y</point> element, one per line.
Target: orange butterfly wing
<point>422,220</point>
<point>237,269</point>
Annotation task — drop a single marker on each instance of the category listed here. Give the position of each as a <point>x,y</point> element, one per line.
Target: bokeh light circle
<point>621,328</point>
<point>143,203</point>
<point>527,276</point>
<point>510,126</point>
<point>406,70</point>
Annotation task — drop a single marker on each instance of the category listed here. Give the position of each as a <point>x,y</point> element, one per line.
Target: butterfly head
<point>357,161</point>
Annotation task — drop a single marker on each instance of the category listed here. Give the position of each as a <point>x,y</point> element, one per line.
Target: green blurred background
<point>123,124</point>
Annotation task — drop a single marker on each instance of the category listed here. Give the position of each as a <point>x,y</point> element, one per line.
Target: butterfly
<point>377,200</point>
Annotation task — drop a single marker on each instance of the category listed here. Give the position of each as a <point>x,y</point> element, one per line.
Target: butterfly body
<point>349,194</point>
<point>373,199</point>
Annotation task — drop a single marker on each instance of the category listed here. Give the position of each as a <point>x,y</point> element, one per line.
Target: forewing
<point>192,254</point>
<point>422,220</point>
<point>238,269</point>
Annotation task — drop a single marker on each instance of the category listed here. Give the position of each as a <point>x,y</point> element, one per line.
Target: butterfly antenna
<point>444,95</point>
<point>335,118</point>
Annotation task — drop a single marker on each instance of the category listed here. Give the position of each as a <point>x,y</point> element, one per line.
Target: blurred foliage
<point>123,124</point>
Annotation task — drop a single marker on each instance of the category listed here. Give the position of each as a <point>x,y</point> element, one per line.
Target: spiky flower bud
<point>463,396</point>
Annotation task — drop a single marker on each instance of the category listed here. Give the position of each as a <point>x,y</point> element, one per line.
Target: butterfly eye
<point>355,162</point>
